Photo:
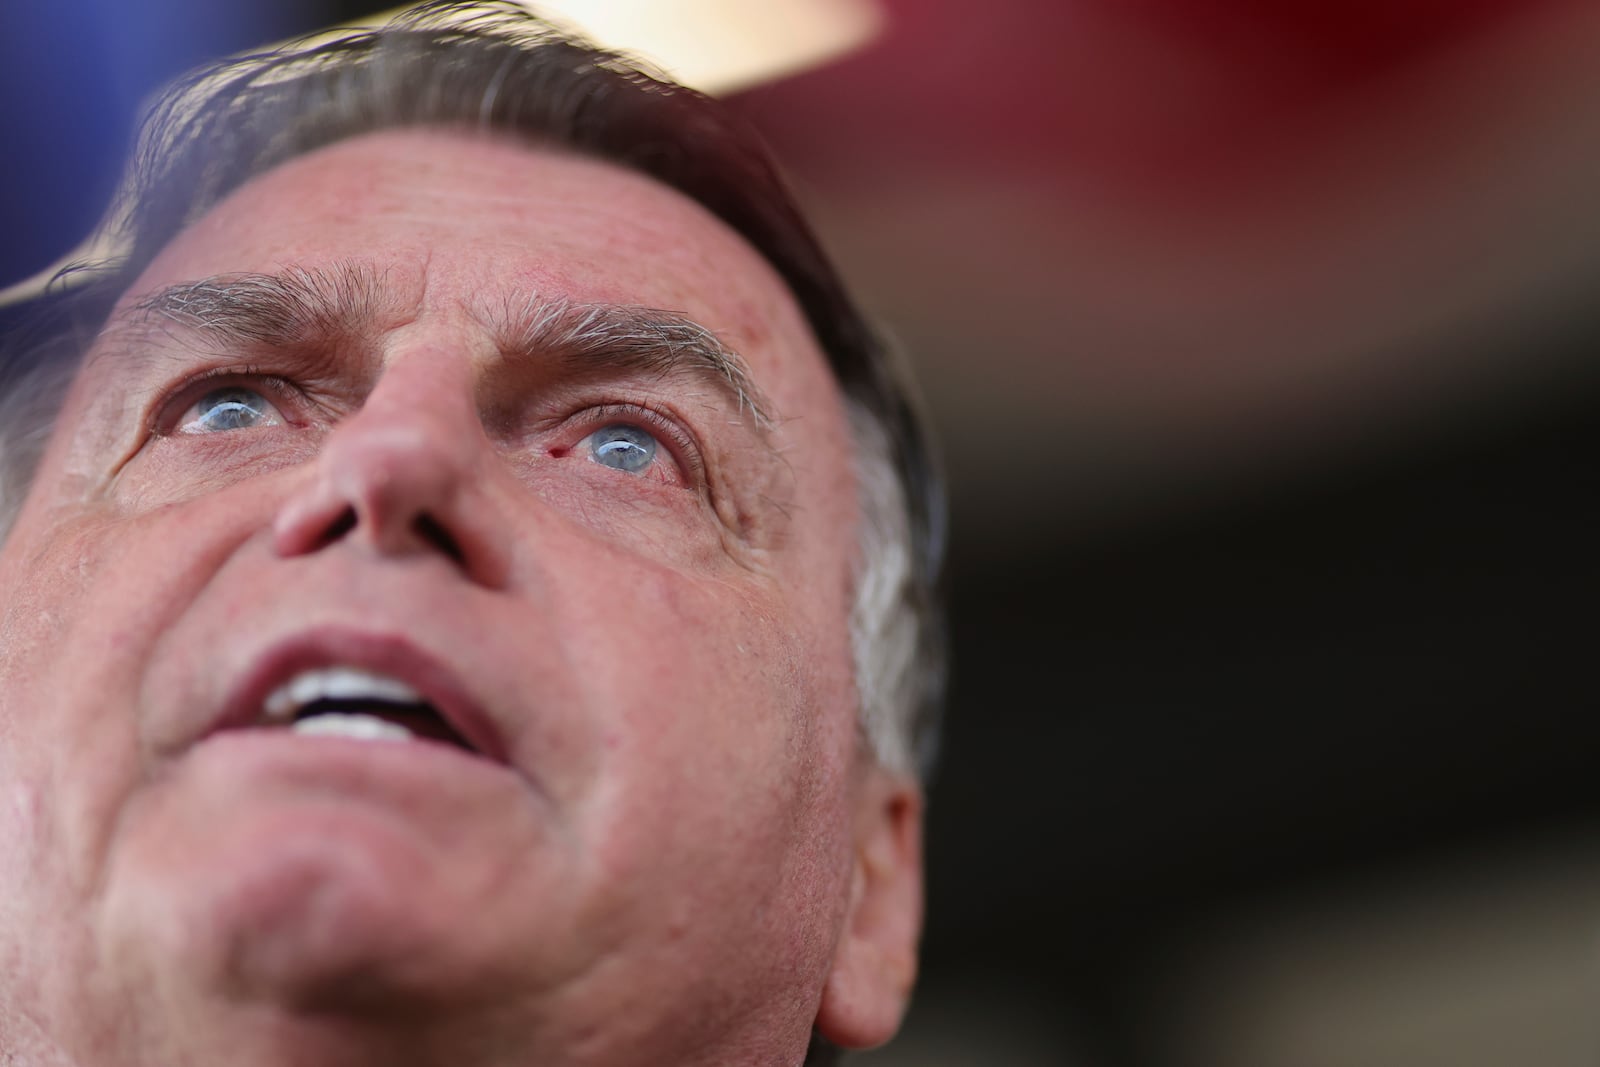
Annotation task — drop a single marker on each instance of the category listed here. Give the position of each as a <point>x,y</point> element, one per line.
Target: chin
<point>328,924</point>
<point>334,910</point>
<point>326,878</point>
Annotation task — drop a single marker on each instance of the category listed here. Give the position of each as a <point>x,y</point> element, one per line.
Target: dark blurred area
<point>1261,341</point>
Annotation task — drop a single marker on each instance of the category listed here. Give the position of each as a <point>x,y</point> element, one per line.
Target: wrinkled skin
<point>679,855</point>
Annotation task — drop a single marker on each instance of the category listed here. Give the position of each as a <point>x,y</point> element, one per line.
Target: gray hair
<point>492,66</point>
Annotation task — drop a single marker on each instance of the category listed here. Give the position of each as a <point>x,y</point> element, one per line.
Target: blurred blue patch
<point>72,76</point>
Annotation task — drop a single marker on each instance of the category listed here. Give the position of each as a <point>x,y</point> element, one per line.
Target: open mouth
<point>358,704</point>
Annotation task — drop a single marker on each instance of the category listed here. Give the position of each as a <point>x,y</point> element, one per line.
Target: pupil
<point>625,448</point>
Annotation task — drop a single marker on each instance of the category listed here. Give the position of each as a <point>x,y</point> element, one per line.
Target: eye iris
<point>626,448</point>
<point>229,409</point>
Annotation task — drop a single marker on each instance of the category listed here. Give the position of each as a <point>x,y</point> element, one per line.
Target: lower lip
<point>419,765</point>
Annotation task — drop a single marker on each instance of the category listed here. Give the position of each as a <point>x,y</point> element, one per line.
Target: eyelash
<point>172,404</point>
<point>684,448</point>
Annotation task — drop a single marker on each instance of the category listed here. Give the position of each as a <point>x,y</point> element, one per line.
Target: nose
<point>405,475</point>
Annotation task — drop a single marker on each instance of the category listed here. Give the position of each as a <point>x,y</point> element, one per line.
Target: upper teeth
<point>335,683</point>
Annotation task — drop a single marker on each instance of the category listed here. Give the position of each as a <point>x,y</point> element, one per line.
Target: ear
<point>876,961</point>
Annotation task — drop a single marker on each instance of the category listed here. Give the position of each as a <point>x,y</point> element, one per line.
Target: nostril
<point>429,529</point>
<point>337,529</point>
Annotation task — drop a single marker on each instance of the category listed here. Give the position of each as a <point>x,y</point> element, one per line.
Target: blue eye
<point>229,408</point>
<point>623,447</point>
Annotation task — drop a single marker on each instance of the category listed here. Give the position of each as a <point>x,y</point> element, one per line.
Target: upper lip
<point>395,656</point>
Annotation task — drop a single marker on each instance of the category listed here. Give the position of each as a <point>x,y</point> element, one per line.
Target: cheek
<point>716,730</point>
<point>88,600</point>
<point>174,471</point>
<point>37,937</point>
<point>65,750</point>
<point>709,673</point>
<point>719,823</point>
<point>49,616</point>
<point>68,742</point>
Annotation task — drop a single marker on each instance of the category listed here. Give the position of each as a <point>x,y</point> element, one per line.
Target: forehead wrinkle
<point>628,338</point>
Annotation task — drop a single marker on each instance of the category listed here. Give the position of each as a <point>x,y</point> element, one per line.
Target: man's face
<point>387,434</point>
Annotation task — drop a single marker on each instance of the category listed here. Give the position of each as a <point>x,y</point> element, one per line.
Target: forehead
<point>450,218</point>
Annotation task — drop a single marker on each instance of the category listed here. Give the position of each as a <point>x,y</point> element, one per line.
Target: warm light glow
<point>718,46</point>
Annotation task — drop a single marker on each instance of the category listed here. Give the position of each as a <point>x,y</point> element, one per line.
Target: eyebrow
<point>629,339</point>
<point>303,307</point>
<point>296,306</point>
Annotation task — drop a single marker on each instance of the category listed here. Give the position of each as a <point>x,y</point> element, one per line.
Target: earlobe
<point>875,963</point>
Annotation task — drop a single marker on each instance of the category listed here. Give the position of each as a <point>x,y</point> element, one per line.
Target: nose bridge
<point>400,475</point>
<point>419,419</point>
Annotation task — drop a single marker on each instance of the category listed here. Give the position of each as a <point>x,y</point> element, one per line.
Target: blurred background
<point>1261,338</point>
